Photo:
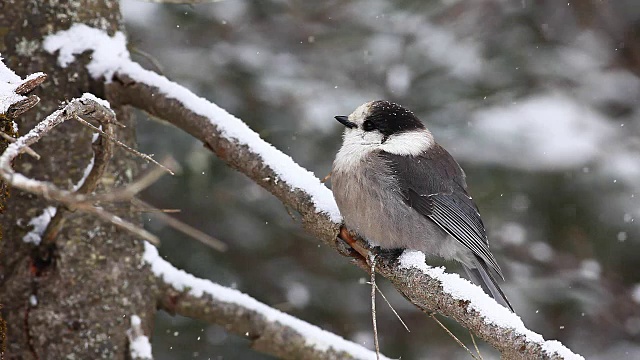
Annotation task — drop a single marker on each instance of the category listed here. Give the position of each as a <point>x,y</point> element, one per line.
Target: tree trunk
<point>75,299</point>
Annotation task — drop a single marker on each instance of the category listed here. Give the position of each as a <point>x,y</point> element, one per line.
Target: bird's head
<point>386,126</point>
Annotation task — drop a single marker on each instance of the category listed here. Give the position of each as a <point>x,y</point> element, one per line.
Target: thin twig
<point>20,107</point>
<point>27,149</point>
<point>118,221</point>
<point>121,144</point>
<point>473,339</point>
<point>186,2</point>
<point>372,263</point>
<point>184,228</point>
<point>433,316</point>
<point>391,307</point>
<point>128,192</point>
<point>28,102</point>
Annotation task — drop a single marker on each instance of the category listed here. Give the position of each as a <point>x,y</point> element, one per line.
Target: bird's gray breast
<point>371,202</point>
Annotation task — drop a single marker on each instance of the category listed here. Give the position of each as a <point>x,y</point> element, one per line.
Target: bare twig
<point>184,2</point>
<point>183,228</point>
<point>22,105</point>
<point>376,343</point>
<point>27,149</point>
<point>128,192</point>
<point>433,316</point>
<point>156,210</point>
<point>87,107</point>
<point>156,64</point>
<point>392,309</point>
<point>473,339</point>
<point>121,144</point>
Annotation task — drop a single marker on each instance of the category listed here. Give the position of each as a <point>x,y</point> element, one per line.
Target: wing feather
<point>437,189</point>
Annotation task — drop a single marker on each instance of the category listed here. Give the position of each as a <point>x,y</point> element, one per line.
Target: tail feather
<point>481,275</point>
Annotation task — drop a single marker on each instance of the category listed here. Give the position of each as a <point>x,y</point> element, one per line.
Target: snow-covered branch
<point>13,91</point>
<point>428,288</point>
<point>270,331</point>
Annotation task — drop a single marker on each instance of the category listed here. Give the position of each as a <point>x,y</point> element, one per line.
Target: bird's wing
<point>434,185</point>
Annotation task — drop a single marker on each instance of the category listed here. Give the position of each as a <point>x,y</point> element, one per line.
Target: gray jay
<point>397,188</point>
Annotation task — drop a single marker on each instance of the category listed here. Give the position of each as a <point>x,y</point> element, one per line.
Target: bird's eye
<point>368,125</point>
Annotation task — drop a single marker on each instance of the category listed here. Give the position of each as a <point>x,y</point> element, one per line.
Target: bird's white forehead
<point>358,115</point>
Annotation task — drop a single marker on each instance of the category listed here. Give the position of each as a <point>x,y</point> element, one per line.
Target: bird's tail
<point>481,276</point>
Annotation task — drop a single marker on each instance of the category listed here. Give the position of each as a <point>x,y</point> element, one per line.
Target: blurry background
<point>538,100</point>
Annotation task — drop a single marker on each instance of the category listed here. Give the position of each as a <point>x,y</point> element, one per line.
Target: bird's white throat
<point>357,144</point>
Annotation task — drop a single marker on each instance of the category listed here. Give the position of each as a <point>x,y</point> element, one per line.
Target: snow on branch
<point>13,91</point>
<point>111,56</point>
<point>271,331</point>
<point>428,288</point>
<point>139,345</point>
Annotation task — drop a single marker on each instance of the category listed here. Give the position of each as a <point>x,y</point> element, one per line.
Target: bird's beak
<point>344,120</point>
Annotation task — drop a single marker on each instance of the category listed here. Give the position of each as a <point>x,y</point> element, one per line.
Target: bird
<point>396,187</point>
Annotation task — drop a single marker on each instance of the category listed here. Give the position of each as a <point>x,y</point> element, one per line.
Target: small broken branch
<point>21,103</point>
<point>30,83</point>
<point>20,107</point>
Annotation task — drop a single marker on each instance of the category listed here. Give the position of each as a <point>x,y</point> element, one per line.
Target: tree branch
<point>270,331</point>
<point>428,288</point>
<point>421,288</point>
<point>102,153</point>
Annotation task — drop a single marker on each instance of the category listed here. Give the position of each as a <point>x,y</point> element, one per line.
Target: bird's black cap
<point>390,118</point>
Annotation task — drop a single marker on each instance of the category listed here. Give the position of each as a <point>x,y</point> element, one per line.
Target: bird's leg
<point>346,236</point>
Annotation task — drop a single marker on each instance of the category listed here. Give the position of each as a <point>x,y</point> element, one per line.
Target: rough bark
<point>93,281</point>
